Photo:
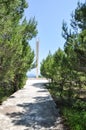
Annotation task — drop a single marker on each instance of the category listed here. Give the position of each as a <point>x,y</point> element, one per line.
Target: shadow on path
<point>34,115</point>
<point>41,113</point>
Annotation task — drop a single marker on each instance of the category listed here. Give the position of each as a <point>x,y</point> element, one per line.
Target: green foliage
<point>80,105</point>
<point>79,16</point>
<point>75,115</point>
<point>16,56</point>
<point>46,67</point>
<point>75,119</point>
<point>5,92</point>
<point>68,70</point>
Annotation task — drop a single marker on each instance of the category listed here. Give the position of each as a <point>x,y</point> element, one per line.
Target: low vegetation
<point>73,112</point>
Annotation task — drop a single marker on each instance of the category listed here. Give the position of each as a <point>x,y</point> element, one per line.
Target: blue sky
<point>49,15</point>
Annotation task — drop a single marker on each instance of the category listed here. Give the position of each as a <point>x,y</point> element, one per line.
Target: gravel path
<point>30,108</point>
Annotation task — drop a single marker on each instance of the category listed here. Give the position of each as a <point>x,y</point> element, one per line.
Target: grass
<point>75,119</point>
<point>74,115</point>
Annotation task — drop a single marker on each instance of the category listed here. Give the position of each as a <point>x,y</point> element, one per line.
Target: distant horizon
<point>32,73</point>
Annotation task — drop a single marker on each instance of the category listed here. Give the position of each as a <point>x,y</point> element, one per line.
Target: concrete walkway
<point>30,108</point>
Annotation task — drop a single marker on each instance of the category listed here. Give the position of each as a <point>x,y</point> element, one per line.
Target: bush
<point>75,119</point>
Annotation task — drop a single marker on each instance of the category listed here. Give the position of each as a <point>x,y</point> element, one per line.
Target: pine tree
<point>16,55</point>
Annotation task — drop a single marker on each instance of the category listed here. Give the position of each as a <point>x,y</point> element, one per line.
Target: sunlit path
<point>31,108</point>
